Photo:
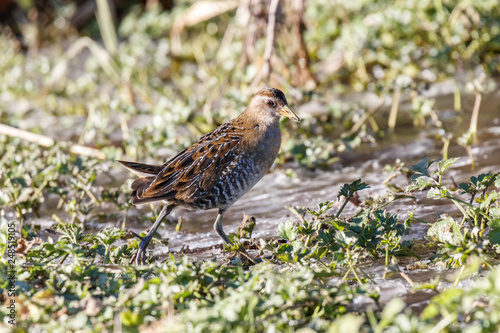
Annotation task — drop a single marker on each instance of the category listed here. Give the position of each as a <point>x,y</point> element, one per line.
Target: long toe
<point>136,235</point>
<point>244,254</point>
<point>141,251</point>
<point>141,257</point>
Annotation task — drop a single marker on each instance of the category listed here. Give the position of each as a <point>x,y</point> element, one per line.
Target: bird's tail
<point>147,174</point>
<point>142,170</point>
<point>138,186</point>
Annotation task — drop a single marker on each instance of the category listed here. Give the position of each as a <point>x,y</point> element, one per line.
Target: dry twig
<point>265,70</point>
<point>197,13</point>
<point>46,141</point>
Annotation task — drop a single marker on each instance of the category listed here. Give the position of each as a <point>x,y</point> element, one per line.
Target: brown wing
<point>193,172</point>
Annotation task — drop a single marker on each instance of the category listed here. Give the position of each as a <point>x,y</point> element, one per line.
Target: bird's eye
<point>270,103</point>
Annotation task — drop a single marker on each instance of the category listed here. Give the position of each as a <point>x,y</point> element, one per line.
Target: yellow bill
<point>287,112</point>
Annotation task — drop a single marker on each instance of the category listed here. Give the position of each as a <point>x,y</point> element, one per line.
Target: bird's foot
<point>140,256</point>
<point>238,249</point>
<point>248,257</point>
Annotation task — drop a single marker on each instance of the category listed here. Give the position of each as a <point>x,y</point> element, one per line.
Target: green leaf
<point>435,193</point>
<point>108,236</point>
<point>348,190</point>
<point>494,235</point>
<point>495,212</point>
<point>322,208</point>
<point>287,231</point>
<point>438,193</point>
<point>345,239</point>
<point>346,323</point>
<point>418,184</point>
<point>465,187</point>
<point>446,230</point>
<point>131,319</point>
<point>444,164</point>
<point>421,168</point>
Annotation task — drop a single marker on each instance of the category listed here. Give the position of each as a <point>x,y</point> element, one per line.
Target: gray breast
<point>236,180</point>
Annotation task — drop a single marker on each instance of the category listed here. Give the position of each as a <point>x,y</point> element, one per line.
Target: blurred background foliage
<point>144,79</point>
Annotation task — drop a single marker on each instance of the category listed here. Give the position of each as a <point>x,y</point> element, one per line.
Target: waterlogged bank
<point>318,271</point>
<point>423,262</point>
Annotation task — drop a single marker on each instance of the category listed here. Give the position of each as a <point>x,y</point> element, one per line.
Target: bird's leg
<point>222,234</point>
<point>218,228</point>
<point>140,255</point>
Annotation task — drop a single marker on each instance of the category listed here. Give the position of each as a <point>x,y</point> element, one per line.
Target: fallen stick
<point>46,141</point>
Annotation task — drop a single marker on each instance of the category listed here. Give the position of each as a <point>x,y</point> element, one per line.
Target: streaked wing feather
<point>195,170</point>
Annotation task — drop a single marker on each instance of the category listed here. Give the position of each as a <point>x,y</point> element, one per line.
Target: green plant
<point>458,240</point>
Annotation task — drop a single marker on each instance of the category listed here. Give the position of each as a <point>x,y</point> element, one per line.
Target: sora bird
<point>218,169</point>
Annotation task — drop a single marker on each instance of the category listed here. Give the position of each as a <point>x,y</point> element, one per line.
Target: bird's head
<point>270,104</point>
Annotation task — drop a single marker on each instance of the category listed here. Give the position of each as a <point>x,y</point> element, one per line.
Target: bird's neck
<point>263,133</point>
